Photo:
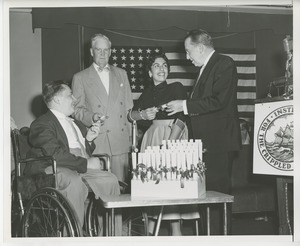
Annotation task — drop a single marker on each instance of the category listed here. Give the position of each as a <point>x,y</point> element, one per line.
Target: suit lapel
<point>205,72</point>
<point>58,127</point>
<point>96,86</point>
<point>196,83</point>
<point>114,87</point>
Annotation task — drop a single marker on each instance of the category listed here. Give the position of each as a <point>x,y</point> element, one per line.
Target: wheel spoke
<point>45,216</point>
<point>134,222</point>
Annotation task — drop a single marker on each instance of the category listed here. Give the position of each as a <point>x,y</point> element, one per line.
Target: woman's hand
<point>149,113</point>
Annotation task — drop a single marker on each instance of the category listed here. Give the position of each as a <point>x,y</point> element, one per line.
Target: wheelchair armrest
<point>51,160</point>
<point>123,186</point>
<point>32,159</point>
<point>105,158</point>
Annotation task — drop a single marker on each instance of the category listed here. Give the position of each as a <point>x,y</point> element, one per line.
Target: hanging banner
<point>274,138</point>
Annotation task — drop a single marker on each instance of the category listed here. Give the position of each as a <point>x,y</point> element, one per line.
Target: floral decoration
<point>149,173</point>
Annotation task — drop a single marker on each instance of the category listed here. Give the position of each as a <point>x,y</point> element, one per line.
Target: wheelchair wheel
<point>16,212</point>
<point>46,216</point>
<point>135,222</point>
<point>94,223</point>
<point>69,209</point>
<point>16,218</point>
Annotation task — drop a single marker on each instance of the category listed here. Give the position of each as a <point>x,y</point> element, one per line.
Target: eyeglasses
<point>102,51</point>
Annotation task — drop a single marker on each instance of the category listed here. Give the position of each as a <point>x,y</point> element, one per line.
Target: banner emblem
<point>275,138</point>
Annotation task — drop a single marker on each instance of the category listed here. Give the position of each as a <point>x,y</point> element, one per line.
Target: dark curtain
<point>156,19</point>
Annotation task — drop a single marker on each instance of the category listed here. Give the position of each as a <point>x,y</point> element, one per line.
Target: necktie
<point>82,148</point>
<point>104,77</point>
<point>105,69</point>
<point>196,82</point>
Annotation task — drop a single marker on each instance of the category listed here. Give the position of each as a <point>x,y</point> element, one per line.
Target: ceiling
<point>261,9</point>
<point>286,8</point>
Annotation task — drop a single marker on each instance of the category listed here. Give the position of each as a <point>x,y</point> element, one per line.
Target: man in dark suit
<point>71,144</point>
<point>212,108</point>
<point>103,92</point>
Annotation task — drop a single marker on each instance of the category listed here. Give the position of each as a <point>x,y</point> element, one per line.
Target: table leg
<point>106,224</point>
<point>283,210</point>
<point>112,222</point>
<point>208,220</point>
<point>158,221</point>
<point>225,218</point>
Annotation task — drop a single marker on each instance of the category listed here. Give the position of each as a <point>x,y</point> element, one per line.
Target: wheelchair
<point>38,209</point>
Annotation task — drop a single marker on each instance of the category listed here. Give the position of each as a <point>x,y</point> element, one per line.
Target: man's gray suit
<point>115,135</point>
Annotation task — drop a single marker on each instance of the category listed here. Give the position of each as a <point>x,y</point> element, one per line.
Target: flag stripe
<point>242,57</point>
<point>246,76</point>
<point>246,95</point>
<point>236,57</point>
<point>247,82</point>
<point>188,69</point>
<point>246,108</point>
<point>182,75</point>
<point>181,69</point>
<point>246,70</point>
<point>136,95</point>
<point>244,101</point>
<point>246,89</point>
<point>132,59</point>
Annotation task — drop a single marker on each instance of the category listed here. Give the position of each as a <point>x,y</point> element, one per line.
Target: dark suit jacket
<point>213,106</point>
<point>46,132</point>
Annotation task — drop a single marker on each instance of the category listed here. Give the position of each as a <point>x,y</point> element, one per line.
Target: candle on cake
<point>133,158</point>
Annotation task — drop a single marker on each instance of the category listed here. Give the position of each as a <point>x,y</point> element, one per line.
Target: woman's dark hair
<point>52,88</point>
<point>152,57</point>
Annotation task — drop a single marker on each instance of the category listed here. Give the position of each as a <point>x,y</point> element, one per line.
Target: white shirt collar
<point>59,114</point>
<point>207,58</point>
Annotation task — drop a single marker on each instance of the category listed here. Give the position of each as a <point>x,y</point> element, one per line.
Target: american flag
<point>132,59</point>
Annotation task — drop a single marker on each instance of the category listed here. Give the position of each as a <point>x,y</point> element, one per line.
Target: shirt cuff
<point>185,111</point>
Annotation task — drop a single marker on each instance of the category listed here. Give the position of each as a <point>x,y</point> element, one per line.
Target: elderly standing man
<point>103,93</point>
<point>212,108</point>
<point>71,144</point>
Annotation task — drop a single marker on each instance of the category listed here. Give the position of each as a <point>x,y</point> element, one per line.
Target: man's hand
<point>98,117</point>
<point>174,107</point>
<point>93,163</point>
<point>93,131</point>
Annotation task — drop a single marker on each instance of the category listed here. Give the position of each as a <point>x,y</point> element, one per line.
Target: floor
<point>245,224</point>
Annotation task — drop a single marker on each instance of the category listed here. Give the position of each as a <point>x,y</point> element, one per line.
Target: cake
<point>172,170</point>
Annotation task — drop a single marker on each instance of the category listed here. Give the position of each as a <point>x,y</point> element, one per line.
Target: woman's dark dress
<point>159,129</point>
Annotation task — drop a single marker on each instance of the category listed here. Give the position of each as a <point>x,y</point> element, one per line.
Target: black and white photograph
<point>124,120</point>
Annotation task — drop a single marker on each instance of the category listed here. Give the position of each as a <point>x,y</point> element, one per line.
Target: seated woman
<point>149,111</point>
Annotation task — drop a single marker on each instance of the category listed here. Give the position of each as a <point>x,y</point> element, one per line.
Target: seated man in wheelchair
<point>71,144</point>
